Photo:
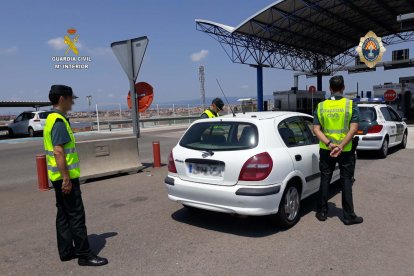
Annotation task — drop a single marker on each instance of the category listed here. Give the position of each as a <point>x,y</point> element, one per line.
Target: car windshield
<point>43,115</point>
<point>367,114</point>
<point>220,136</point>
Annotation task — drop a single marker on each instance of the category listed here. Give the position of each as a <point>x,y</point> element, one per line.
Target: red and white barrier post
<point>157,154</point>
<point>42,172</point>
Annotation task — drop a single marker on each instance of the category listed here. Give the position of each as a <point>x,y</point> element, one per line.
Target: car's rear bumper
<point>37,127</point>
<point>370,142</point>
<point>237,199</point>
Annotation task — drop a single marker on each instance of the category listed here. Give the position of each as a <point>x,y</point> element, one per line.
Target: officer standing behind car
<point>335,125</point>
<point>216,106</point>
<point>63,171</point>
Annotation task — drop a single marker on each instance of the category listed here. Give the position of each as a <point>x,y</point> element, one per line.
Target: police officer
<point>335,125</point>
<point>63,171</point>
<point>212,112</point>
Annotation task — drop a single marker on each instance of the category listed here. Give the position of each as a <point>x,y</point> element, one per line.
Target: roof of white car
<point>373,104</point>
<point>34,111</point>
<point>260,115</point>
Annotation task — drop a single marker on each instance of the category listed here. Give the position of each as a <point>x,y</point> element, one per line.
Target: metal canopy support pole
<point>296,81</point>
<point>259,88</point>
<point>319,82</point>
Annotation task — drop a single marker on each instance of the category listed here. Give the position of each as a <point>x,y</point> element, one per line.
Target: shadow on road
<point>371,155</point>
<point>150,165</point>
<point>253,227</point>
<point>98,242</point>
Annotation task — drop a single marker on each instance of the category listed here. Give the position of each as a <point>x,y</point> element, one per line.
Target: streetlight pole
<point>89,98</point>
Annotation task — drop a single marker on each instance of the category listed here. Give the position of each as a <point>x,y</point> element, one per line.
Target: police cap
<point>218,102</point>
<point>61,90</point>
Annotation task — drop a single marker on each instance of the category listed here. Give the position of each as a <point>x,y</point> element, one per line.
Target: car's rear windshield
<point>220,136</point>
<point>367,114</point>
<point>43,115</point>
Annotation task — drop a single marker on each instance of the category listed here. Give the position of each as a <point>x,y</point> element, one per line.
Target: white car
<point>252,164</point>
<point>28,123</point>
<point>380,128</point>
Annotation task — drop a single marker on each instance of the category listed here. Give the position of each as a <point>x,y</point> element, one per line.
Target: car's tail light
<point>257,168</point>
<point>171,163</point>
<point>375,129</point>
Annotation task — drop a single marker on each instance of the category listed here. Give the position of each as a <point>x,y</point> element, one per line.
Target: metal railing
<point>144,122</point>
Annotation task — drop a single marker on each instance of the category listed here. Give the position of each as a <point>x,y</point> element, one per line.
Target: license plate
<point>206,170</point>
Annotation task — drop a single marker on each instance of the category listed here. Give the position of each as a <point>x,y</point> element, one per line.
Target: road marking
<point>31,139</point>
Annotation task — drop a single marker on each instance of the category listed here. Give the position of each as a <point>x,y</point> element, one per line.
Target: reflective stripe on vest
<point>209,113</point>
<point>56,169</point>
<point>67,151</point>
<point>72,159</point>
<point>334,117</point>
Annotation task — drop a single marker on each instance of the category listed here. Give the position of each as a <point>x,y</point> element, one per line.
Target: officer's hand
<point>336,151</point>
<point>332,146</point>
<point>66,186</point>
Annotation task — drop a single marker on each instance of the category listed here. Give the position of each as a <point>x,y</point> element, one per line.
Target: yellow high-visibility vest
<point>335,117</point>
<point>210,114</point>
<point>72,159</point>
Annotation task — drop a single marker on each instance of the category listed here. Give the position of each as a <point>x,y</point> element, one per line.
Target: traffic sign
<point>390,95</point>
<point>130,54</point>
<point>145,94</point>
<point>312,89</point>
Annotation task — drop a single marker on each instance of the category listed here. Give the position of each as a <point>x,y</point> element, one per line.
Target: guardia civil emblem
<point>370,49</point>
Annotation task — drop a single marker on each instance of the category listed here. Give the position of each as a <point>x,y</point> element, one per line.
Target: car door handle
<point>298,157</point>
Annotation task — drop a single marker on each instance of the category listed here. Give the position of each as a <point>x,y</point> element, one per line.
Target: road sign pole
<point>134,115</point>
<point>130,54</point>
<point>134,108</point>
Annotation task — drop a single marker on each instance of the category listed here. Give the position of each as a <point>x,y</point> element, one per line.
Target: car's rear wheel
<point>289,208</point>
<point>404,140</point>
<point>31,132</point>
<point>11,133</point>
<point>383,152</point>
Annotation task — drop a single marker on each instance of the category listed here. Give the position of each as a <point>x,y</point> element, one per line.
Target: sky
<point>32,33</point>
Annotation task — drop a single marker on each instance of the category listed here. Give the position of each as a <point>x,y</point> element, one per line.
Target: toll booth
<point>399,96</point>
<point>248,104</point>
<point>297,100</point>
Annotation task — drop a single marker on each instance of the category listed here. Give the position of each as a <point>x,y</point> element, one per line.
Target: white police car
<point>252,164</point>
<point>380,128</point>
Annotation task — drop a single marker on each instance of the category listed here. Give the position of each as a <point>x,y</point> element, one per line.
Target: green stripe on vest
<point>72,159</point>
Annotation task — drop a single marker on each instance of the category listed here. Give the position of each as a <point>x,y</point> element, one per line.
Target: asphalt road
<point>131,222</point>
<point>18,162</point>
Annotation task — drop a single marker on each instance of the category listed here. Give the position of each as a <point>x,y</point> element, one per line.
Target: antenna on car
<point>234,114</point>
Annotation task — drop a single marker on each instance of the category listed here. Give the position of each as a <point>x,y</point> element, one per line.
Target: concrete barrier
<point>108,157</point>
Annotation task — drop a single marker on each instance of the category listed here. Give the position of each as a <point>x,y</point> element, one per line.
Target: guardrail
<point>155,121</point>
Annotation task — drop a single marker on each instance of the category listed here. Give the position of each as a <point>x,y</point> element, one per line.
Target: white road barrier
<point>106,157</point>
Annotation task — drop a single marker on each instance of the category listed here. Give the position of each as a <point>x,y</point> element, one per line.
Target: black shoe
<point>353,220</point>
<point>321,216</point>
<point>92,261</point>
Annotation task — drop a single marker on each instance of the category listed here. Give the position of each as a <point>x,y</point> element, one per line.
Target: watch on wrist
<point>330,142</point>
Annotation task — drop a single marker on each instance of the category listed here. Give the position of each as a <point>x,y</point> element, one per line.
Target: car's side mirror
<point>403,119</point>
